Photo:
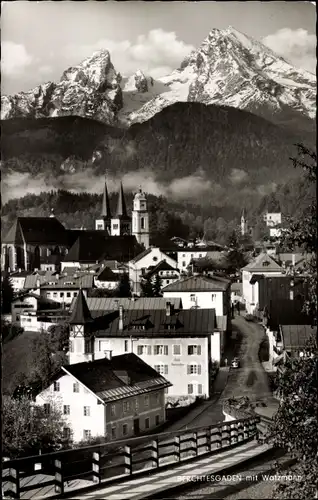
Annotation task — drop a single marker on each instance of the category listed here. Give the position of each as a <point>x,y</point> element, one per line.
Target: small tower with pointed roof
<point>121,222</point>
<point>243,223</point>
<point>104,223</point>
<point>140,219</point>
<point>81,338</point>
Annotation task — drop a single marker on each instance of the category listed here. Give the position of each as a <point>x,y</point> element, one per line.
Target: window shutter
<point>199,350</point>
<point>199,369</point>
<point>199,388</point>
<point>189,370</point>
<point>166,350</point>
<point>149,349</point>
<point>190,389</point>
<point>166,369</point>
<point>139,349</point>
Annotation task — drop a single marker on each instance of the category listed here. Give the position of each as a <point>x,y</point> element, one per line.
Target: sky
<point>39,40</point>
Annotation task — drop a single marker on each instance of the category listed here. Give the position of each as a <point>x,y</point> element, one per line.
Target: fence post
<point>208,439</point>
<point>15,474</point>
<point>240,431</point>
<point>95,467</point>
<point>195,439</point>
<point>219,442</point>
<point>246,430</point>
<point>59,479</point>
<point>155,453</point>
<point>127,460</point>
<point>233,434</point>
<point>177,447</point>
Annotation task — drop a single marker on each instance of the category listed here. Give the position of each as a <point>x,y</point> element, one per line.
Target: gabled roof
<point>198,284</point>
<point>296,336</point>
<point>80,314</point>
<point>263,263</point>
<point>141,255</point>
<point>162,266</point>
<point>103,304</point>
<point>92,246</point>
<point>117,378</point>
<point>107,274</point>
<point>37,230</point>
<point>58,282</point>
<point>155,323</point>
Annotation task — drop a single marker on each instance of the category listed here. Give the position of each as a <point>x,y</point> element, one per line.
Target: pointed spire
<point>80,314</point>
<point>121,205</point>
<point>106,205</point>
<point>243,214</point>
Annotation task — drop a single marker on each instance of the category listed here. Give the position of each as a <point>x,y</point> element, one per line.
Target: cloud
<point>237,175</point>
<point>156,53</point>
<point>14,59</point>
<point>298,46</point>
<point>45,70</point>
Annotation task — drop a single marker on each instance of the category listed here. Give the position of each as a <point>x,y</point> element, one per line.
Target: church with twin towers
<point>120,223</point>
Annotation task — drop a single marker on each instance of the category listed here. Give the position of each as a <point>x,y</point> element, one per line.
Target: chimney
<point>168,308</point>
<point>38,283</point>
<point>108,354</point>
<point>121,318</point>
<point>293,260</point>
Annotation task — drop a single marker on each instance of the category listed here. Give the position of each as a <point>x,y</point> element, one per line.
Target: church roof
<point>80,314</point>
<point>106,212</point>
<point>121,204</point>
<point>92,246</point>
<point>37,231</point>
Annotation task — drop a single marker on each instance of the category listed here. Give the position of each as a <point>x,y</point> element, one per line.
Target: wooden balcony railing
<point>113,462</point>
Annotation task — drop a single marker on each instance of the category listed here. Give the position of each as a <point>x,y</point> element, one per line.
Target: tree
<point>7,295</point>
<point>124,287</point>
<point>100,292</point>
<point>9,331</point>
<point>27,428</point>
<point>146,287</point>
<point>235,257</point>
<point>295,425</point>
<point>157,286</point>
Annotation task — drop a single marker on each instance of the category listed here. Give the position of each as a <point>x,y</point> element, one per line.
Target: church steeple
<point>243,223</point>
<point>121,205</point>
<point>81,336</point>
<point>81,314</point>
<point>106,213</point>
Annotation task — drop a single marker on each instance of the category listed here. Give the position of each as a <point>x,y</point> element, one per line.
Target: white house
<point>142,262</point>
<point>164,272</point>
<point>178,344</point>
<point>265,265</point>
<point>199,291</point>
<point>273,220</point>
<point>106,278</point>
<point>17,279</point>
<point>116,398</point>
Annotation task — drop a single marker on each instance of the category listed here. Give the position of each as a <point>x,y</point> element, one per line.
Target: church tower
<point>243,224</point>
<point>81,338</point>
<point>104,223</point>
<point>140,219</point>
<point>121,223</point>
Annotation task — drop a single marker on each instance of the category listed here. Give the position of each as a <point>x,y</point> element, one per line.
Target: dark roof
<point>103,304</point>
<point>286,312</point>
<point>37,230</point>
<point>92,246</point>
<point>106,212</point>
<point>19,274</point>
<point>154,323</point>
<point>107,274</point>
<point>60,282</point>
<point>121,211</point>
<point>80,314</point>
<point>198,284</point>
<point>162,266</point>
<point>117,378</point>
<point>296,336</point>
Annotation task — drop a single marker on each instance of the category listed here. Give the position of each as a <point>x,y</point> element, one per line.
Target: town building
<point>115,398</point>
<point>27,303</point>
<point>264,264</point>
<point>17,279</point>
<point>273,220</point>
<point>179,344</point>
<point>144,261</point>
<point>106,278</point>
<point>188,255</point>
<point>163,272</point>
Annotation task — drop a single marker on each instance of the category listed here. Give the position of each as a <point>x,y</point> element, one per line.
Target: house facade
<point>115,398</point>
<point>59,289</point>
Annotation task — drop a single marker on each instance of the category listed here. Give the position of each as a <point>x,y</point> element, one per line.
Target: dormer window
<point>265,263</point>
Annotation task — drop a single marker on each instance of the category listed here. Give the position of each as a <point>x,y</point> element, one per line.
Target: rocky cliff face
<point>91,89</point>
<point>229,69</point>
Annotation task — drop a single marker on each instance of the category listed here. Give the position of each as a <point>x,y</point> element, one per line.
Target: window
<point>162,369</point>
<point>192,387</point>
<point>66,409</point>
<point>48,294</point>
<point>66,432</point>
<point>68,294</point>
<point>160,349</point>
<point>157,397</point>
<point>146,400</point>
<point>142,223</point>
<point>192,297</point>
<point>88,346</point>
<point>99,226</point>
<point>56,386</point>
<point>61,294</point>
<point>75,294</point>
<point>199,388</point>
<point>136,404</point>
<point>126,406</point>
<point>54,294</point>
<point>115,226</point>
<point>157,419</point>
<point>184,263</point>
<point>176,349</point>
<point>125,429</point>
<point>46,408</point>
<point>147,423</point>
<point>191,369</point>
<point>76,387</point>
<point>126,345</point>
<point>113,432</point>
<point>265,263</point>
<point>194,349</point>
<point>113,410</point>
<point>87,411</point>
<point>86,434</point>
<point>167,281</point>
<point>213,297</point>
<point>143,349</point>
